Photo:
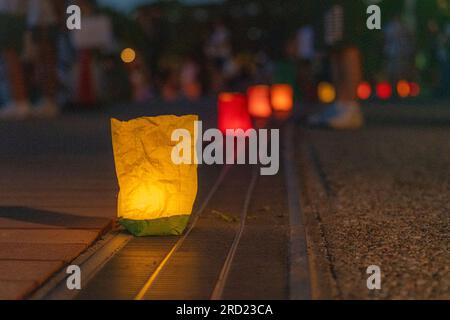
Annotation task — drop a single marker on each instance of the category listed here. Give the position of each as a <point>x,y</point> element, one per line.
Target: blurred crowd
<point>44,66</point>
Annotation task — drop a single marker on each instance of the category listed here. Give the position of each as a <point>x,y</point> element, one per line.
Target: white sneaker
<point>340,116</point>
<point>47,108</point>
<point>15,111</point>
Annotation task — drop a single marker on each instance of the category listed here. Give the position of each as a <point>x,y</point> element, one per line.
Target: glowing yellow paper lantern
<point>156,195</point>
<point>282,97</point>
<point>326,92</point>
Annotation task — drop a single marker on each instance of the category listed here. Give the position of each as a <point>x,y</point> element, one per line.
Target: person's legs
<point>346,75</point>
<point>11,35</point>
<point>19,106</point>
<point>15,75</point>
<point>350,75</point>
<point>46,69</point>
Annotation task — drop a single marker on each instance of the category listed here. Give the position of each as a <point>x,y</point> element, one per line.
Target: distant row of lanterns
<point>326,92</point>
<point>384,90</point>
<point>262,99</point>
<point>236,109</point>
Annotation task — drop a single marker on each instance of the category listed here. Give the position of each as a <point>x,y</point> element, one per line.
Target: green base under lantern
<point>170,226</point>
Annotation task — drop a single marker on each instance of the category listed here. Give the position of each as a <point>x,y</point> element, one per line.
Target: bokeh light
<point>414,88</point>
<point>403,89</point>
<point>326,92</point>
<point>232,112</point>
<point>259,101</point>
<point>282,97</point>
<point>128,55</point>
<point>384,90</point>
<point>364,91</point>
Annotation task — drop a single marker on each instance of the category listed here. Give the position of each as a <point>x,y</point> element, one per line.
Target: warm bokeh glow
<point>403,89</point>
<point>282,97</point>
<point>233,112</point>
<point>414,89</point>
<point>259,101</point>
<point>326,92</point>
<point>128,55</point>
<point>384,90</point>
<point>364,91</point>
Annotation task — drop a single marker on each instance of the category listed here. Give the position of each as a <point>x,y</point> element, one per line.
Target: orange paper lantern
<point>233,113</point>
<point>403,89</point>
<point>414,89</point>
<point>259,101</point>
<point>364,91</point>
<point>282,97</point>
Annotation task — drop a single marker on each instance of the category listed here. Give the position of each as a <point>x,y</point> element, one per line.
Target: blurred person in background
<point>285,69</point>
<point>12,30</point>
<point>190,80</point>
<point>306,56</point>
<point>263,67</point>
<point>399,50</point>
<point>89,43</point>
<point>170,84</point>
<point>237,72</point>
<point>44,19</point>
<point>219,51</point>
<point>140,80</point>
<point>441,54</point>
<point>341,37</point>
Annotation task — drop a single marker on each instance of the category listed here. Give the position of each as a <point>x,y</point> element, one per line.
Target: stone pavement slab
<point>49,236</point>
<point>15,290</point>
<point>37,271</point>
<point>40,251</point>
<point>35,244</point>
<point>30,218</point>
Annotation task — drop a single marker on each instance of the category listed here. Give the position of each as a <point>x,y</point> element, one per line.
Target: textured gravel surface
<point>388,203</point>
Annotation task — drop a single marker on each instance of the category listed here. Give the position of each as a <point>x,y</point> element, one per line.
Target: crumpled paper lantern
<point>156,195</point>
<point>259,101</point>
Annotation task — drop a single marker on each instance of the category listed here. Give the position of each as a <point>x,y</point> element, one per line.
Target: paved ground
<point>382,197</point>
<point>377,196</point>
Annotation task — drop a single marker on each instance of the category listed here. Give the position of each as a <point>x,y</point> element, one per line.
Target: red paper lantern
<point>282,97</point>
<point>233,113</point>
<point>414,89</point>
<point>364,91</point>
<point>259,101</point>
<point>384,90</point>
